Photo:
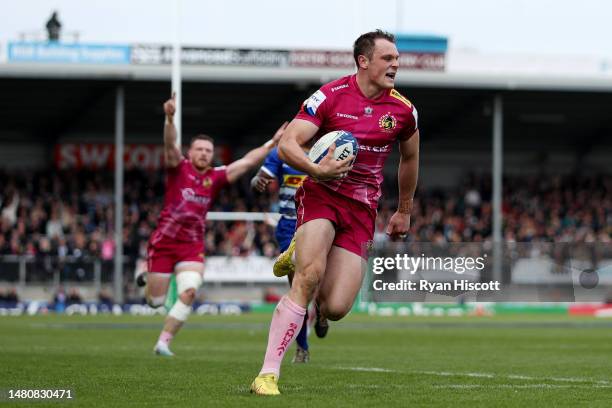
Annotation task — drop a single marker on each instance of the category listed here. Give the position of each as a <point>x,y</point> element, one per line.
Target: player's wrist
<point>405,206</point>
<point>269,144</point>
<point>315,170</point>
<point>169,119</point>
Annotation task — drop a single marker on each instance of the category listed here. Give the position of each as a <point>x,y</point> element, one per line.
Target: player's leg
<point>284,235</point>
<point>313,241</point>
<point>340,284</point>
<point>302,352</point>
<point>188,281</point>
<point>157,288</point>
<point>158,272</point>
<point>344,274</point>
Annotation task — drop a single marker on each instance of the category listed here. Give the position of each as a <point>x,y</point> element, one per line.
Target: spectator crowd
<point>70,214</point>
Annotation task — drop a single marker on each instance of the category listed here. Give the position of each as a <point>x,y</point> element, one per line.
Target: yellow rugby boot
<point>284,264</point>
<point>265,384</point>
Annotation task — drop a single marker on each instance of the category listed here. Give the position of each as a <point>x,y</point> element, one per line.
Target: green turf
<point>365,361</point>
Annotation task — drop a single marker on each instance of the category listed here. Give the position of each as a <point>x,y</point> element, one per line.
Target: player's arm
<point>254,157</point>
<point>407,176</point>
<point>291,151</point>
<point>172,154</point>
<point>261,181</point>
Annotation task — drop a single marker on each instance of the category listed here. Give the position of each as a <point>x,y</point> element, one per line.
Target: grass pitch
<point>364,361</point>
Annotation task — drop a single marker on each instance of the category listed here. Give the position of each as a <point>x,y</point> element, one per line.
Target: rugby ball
<point>346,145</point>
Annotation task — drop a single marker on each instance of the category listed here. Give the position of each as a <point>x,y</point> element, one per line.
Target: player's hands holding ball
<point>330,168</point>
<point>334,155</point>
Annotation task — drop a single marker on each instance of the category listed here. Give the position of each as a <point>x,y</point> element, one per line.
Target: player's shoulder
<point>400,100</point>
<point>402,106</point>
<point>326,95</point>
<point>338,86</point>
<point>183,166</point>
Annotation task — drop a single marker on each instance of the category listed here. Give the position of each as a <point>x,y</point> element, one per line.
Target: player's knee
<point>306,282</point>
<point>308,274</point>
<point>155,301</point>
<point>188,296</point>
<point>187,284</point>
<point>335,310</point>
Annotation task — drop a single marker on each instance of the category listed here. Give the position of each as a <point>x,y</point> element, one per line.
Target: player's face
<point>201,154</point>
<point>384,64</point>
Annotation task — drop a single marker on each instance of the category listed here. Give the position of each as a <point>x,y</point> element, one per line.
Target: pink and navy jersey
<point>289,180</point>
<point>189,195</point>
<point>376,124</point>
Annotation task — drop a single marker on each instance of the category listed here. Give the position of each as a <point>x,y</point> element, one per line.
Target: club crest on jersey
<point>311,104</point>
<point>387,122</point>
<point>207,182</point>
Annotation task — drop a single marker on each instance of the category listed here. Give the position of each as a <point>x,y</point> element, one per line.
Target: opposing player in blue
<point>289,180</point>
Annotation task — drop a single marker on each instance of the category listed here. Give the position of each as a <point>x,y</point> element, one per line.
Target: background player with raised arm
<point>289,180</point>
<point>337,206</point>
<point>177,245</point>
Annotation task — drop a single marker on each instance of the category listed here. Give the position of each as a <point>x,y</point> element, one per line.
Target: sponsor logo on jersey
<point>377,149</point>
<point>387,122</point>
<point>346,115</point>
<point>190,195</point>
<point>368,111</point>
<point>311,104</point>
<point>293,180</point>
<point>207,182</point>
<point>337,88</point>
<point>400,97</point>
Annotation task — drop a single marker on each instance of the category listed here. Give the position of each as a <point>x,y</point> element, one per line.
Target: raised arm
<point>253,158</point>
<point>407,176</point>
<point>172,154</point>
<point>291,151</point>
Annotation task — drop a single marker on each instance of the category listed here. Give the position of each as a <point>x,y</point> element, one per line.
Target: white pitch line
<point>577,380</point>
<point>517,377</point>
<point>514,386</point>
<point>368,369</point>
<point>450,374</point>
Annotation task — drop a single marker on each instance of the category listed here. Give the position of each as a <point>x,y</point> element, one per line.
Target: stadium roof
<point>243,105</point>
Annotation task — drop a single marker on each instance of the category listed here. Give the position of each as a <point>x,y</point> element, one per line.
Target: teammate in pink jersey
<point>177,245</point>
<point>337,204</point>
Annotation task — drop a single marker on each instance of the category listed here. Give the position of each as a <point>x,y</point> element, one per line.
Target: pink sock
<point>165,337</point>
<point>286,324</point>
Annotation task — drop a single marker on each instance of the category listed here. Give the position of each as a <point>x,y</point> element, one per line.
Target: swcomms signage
<point>162,55</point>
<point>102,155</point>
<point>158,55</point>
<point>51,52</point>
